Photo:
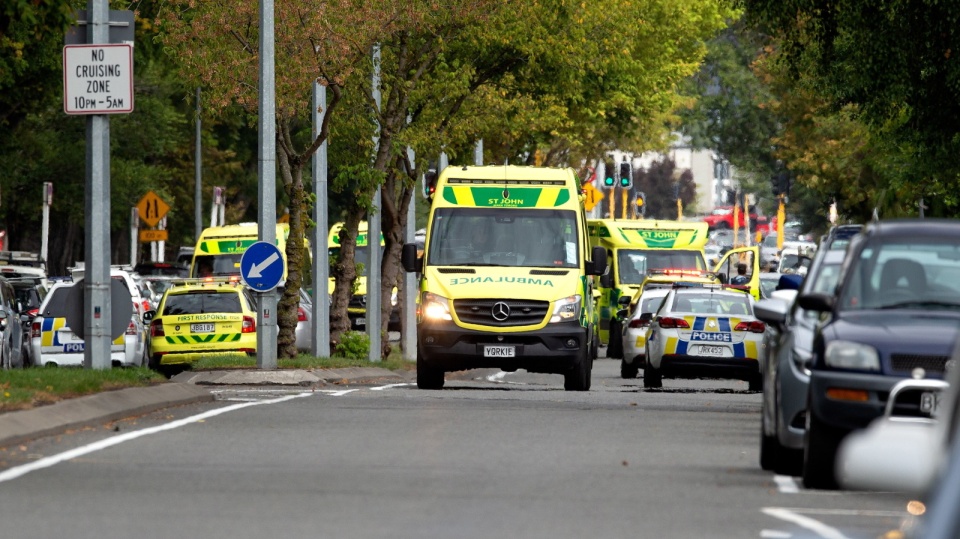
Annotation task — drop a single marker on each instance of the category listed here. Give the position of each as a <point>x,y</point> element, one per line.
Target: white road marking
<point>775,534</point>
<point>817,527</point>
<point>786,484</point>
<point>13,473</point>
<point>338,393</point>
<point>497,377</point>
<point>388,386</point>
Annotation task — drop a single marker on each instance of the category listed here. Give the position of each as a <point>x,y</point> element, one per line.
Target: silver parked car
<point>785,366</point>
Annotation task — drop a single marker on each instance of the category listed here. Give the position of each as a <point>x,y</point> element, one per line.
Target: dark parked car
<point>785,367</point>
<point>895,315</point>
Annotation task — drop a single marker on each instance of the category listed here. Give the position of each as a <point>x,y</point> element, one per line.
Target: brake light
<point>755,326</point>
<point>668,322</point>
<point>132,328</point>
<point>638,323</point>
<point>35,329</point>
<point>301,314</point>
<point>146,305</point>
<point>156,328</point>
<point>249,325</point>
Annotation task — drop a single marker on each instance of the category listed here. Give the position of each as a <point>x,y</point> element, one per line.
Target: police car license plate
<point>711,350</point>
<point>499,351</point>
<point>201,328</point>
<point>930,403</point>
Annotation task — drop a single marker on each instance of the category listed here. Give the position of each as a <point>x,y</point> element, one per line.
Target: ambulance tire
<point>578,378</point>
<point>428,377</point>
<point>615,341</point>
<point>595,346</point>
<point>651,376</point>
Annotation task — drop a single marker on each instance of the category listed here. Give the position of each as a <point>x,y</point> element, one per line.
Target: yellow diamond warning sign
<point>152,208</point>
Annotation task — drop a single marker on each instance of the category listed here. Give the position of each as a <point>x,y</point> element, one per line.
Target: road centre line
<point>18,471</point>
<point>817,527</point>
<point>775,534</point>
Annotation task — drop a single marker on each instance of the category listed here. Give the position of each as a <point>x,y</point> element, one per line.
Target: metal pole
<point>408,339</point>
<point>267,174</point>
<point>373,234</point>
<point>321,262</point>
<point>197,186</point>
<point>134,227</point>
<point>96,293</point>
<point>45,226</point>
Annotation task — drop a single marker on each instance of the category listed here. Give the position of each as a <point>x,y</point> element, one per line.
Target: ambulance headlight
<point>435,307</point>
<point>566,309</point>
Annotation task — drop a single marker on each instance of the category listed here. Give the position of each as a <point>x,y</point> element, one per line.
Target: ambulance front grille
<point>520,312</point>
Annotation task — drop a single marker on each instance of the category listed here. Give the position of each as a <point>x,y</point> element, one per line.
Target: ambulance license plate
<point>716,351</point>
<point>499,351</point>
<point>201,328</point>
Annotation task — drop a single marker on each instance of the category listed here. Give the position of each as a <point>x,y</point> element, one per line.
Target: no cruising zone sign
<point>98,79</point>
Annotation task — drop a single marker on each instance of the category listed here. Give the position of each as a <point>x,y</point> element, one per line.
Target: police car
<point>202,317</point>
<point>54,343</point>
<point>634,334</point>
<point>704,331</point>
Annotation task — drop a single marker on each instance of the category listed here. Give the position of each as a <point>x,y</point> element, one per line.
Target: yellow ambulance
<point>504,276</point>
<point>220,248</point>
<point>357,308</point>
<point>640,248</point>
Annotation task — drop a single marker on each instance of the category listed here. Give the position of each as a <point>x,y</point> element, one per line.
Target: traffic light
<point>641,200</point>
<point>609,171</point>
<point>626,175</point>
<point>430,182</point>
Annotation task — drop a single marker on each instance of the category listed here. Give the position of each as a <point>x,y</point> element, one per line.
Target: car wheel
<point>651,376</point>
<point>615,341</point>
<point>428,377</point>
<point>819,454</point>
<point>579,377</point>
<point>628,370</point>
<point>755,383</point>
<point>595,346</point>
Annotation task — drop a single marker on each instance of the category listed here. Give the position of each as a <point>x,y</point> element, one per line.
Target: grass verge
<point>21,389</point>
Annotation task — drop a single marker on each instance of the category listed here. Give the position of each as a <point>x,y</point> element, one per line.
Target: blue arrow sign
<point>262,266</point>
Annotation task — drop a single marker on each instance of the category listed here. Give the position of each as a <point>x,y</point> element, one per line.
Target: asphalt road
<point>491,455</point>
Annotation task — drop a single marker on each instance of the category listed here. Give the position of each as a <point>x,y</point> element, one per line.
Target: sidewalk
<point>185,388</point>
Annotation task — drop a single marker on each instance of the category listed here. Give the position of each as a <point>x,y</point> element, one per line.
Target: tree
<point>661,183</point>
<point>891,62</point>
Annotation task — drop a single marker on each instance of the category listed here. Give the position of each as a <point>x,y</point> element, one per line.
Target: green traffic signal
<point>608,181</point>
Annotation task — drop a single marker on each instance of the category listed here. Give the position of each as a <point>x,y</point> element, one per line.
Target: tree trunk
<point>344,272</point>
<point>290,300</point>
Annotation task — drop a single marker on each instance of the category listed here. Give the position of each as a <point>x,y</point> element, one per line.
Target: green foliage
<point>893,62</point>
<point>353,344</point>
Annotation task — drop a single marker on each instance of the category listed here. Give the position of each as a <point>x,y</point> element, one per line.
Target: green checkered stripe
<point>202,339</point>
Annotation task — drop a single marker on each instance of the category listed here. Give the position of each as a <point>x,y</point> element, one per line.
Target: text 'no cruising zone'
<point>98,79</point>
<point>261,266</point>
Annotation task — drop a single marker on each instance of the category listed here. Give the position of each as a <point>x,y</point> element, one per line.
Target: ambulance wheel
<point>578,378</point>
<point>428,377</point>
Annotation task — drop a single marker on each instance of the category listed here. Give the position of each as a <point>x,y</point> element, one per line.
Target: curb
<point>185,388</point>
<point>95,409</point>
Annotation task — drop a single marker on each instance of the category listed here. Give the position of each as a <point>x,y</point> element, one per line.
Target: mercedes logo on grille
<point>500,311</point>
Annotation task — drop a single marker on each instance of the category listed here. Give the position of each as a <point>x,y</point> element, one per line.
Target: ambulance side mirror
<point>598,262</point>
<point>408,258</point>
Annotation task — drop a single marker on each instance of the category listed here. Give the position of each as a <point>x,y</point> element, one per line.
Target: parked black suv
<point>895,314</point>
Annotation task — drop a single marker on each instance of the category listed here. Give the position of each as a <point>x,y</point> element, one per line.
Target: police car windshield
<point>708,303</point>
